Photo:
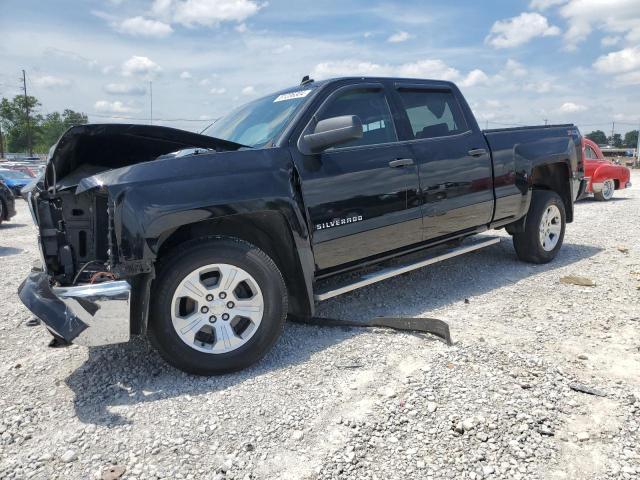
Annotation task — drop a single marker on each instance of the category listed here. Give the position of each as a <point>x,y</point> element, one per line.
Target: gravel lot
<point>357,403</point>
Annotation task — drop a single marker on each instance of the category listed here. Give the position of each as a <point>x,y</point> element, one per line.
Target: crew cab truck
<point>206,242</point>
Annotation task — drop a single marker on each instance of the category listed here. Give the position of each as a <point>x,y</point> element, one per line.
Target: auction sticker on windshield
<point>292,95</point>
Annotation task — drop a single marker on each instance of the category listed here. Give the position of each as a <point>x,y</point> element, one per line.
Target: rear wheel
<point>544,228</point>
<point>1,211</point>
<point>218,305</point>
<point>608,188</point>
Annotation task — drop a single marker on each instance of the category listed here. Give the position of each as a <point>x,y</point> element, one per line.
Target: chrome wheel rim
<point>607,189</point>
<point>217,308</point>
<point>550,228</point>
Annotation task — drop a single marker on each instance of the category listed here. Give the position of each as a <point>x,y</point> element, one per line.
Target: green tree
<point>55,124</point>
<point>598,137</point>
<point>631,139</point>
<point>13,117</point>
<point>616,140</point>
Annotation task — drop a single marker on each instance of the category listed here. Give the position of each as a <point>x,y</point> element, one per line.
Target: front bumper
<point>90,315</point>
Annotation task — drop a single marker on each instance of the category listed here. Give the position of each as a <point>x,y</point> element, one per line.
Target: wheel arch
<point>267,230</point>
<point>556,177</point>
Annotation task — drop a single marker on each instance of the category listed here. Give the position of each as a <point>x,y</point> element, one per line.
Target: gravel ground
<point>332,403</point>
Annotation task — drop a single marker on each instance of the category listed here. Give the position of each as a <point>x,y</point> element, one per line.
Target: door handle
<point>477,152</point>
<point>401,162</point>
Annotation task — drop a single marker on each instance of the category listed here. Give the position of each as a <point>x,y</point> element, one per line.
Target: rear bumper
<point>90,315</point>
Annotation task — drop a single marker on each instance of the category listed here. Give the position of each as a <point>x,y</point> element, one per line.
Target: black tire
<point>527,244</point>
<point>186,258</point>
<point>605,195</point>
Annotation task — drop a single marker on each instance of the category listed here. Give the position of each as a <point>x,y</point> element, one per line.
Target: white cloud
<point>399,37</point>
<point>624,60</point>
<point>475,77</point>
<point>241,28</point>
<point>144,27</point>
<point>124,89</point>
<point>519,30</point>
<point>113,107</point>
<point>218,91</point>
<point>249,90</point>
<point>185,76</point>
<point>207,13</point>
<point>49,81</point>
<point>610,41</point>
<point>283,49</point>
<point>433,68</point>
<point>570,107</point>
<point>619,17</point>
<point>631,78</point>
<point>544,4</point>
<point>542,86</point>
<point>140,66</point>
<point>515,68</point>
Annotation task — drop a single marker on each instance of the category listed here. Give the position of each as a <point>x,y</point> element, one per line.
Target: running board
<point>469,245</point>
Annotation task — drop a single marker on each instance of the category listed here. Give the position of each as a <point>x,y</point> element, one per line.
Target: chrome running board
<point>427,257</point>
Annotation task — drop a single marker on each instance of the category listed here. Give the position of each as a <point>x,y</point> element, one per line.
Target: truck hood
<point>86,150</point>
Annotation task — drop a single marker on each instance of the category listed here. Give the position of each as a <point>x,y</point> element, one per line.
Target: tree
<point>55,124</point>
<point>616,140</point>
<point>631,139</point>
<point>598,137</point>
<point>14,122</point>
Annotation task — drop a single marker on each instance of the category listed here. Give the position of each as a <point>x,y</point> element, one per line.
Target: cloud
<point>185,76</point>
<point>519,30</point>
<point>624,60</point>
<point>220,91</point>
<point>475,77</point>
<point>249,90</point>
<point>141,67</point>
<point>631,78</point>
<point>241,28</point>
<point>432,68</point>
<point>610,41</point>
<point>399,37</point>
<point>206,13</point>
<point>283,49</point>
<point>542,86</point>
<point>620,17</point>
<point>515,68</point>
<point>544,4</point>
<point>144,27</point>
<point>570,107</point>
<point>49,81</point>
<point>113,107</point>
<point>124,89</point>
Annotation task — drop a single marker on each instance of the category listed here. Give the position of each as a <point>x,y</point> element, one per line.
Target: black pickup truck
<point>206,242</point>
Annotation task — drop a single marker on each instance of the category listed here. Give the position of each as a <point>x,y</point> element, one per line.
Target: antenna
<point>306,79</point>
<point>26,107</point>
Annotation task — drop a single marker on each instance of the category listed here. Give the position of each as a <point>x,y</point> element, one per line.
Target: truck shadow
<point>116,378</point>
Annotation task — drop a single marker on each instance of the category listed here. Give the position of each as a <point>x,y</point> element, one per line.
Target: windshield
<point>14,175</point>
<point>259,122</point>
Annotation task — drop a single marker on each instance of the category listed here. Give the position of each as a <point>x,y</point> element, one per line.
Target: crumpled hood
<point>100,147</point>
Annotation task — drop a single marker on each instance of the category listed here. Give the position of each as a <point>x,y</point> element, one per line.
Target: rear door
<point>361,197</point>
<point>453,159</point>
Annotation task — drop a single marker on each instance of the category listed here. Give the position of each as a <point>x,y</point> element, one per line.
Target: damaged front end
<point>86,290</point>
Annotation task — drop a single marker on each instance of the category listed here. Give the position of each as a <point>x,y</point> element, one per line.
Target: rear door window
<point>432,113</point>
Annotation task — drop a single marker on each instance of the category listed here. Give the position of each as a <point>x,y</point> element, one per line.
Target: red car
<point>604,176</point>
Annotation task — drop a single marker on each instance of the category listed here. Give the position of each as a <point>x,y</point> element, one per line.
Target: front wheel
<point>544,228</point>
<point>608,188</point>
<point>218,305</point>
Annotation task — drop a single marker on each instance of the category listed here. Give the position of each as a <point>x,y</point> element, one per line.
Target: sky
<point>516,61</point>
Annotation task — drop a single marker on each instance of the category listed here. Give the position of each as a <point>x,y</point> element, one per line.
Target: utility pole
<point>613,128</point>
<point>26,107</point>
<point>1,143</point>
<point>151,101</point>
<point>546,122</point>
<point>638,149</point>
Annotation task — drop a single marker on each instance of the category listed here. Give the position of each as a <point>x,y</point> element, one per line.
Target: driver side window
<point>373,110</point>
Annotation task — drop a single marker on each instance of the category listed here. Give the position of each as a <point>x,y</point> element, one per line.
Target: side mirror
<point>333,131</point>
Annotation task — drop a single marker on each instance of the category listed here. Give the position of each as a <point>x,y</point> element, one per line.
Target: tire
<point>1,211</point>
<point>528,244</point>
<point>218,345</point>
<point>608,188</point>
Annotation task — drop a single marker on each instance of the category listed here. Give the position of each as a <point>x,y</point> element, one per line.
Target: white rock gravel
<point>331,403</point>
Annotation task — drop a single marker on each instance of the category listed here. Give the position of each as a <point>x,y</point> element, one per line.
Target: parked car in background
<point>15,180</point>
<point>7,203</point>
<point>27,170</point>
<point>604,176</point>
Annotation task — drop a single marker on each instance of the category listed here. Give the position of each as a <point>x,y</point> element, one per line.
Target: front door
<point>361,197</point>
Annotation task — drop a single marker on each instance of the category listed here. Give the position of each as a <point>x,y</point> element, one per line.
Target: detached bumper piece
<point>89,315</point>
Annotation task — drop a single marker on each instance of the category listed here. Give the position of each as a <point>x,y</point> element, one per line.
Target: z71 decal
<point>336,222</point>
